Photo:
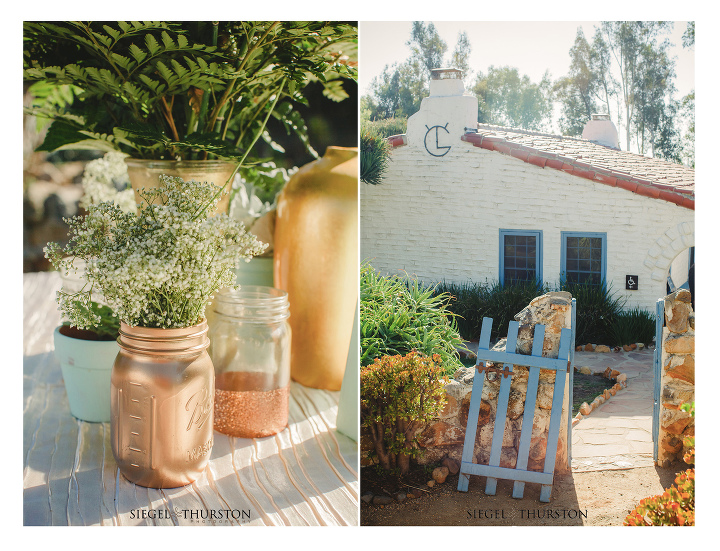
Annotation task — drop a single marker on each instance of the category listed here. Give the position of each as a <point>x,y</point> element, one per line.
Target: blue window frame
<point>583,257</point>
<point>520,256</point>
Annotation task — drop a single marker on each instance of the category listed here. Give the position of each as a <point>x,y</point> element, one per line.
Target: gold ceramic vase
<point>162,391</point>
<point>316,262</point>
<point>145,173</point>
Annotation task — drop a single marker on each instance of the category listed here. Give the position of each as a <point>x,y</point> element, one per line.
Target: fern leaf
<point>149,82</point>
<point>166,73</point>
<point>137,53</point>
<point>121,61</point>
<point>192,66</point>
<point>179,69</point>
<point>103,39</point>
<point>115,34</point>
<point>152,44</point>
<point>167,41</point>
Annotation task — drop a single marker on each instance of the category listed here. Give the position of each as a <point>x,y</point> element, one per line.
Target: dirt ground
<point>597,498</point>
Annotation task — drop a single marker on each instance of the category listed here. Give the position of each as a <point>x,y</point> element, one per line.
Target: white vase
<point>259,271</point>
<point>348,417</point>
<point>86,369</point>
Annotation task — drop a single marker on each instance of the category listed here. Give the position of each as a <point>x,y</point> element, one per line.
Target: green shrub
<point>597,309</point>
<point>374,157</point>
<point>398,315</point>
<point>386,127</point>
<point>631,326</point>
<point>398,395</point>
<point>471,302</point>
<point>505,301</point>
<point>676,505</point>
<point>467,301</point>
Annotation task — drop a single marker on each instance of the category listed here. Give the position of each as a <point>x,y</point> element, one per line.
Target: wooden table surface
<point>306,475</point>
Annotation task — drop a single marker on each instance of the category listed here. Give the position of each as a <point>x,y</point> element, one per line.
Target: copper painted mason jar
<point>162,390</point>
<point>250,349</point>
<point>316,262</point>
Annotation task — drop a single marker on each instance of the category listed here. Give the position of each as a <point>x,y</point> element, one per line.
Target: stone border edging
<point>586,409</point>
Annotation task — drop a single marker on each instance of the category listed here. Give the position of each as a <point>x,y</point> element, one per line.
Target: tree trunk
<point>376,434</point>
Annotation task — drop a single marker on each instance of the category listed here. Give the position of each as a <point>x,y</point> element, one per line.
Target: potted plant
<point>86,357</point>
<point>254,203</point>
<point>172,94</point>
<point>157,270</point>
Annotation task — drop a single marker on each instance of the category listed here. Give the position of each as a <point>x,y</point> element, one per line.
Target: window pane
<point>520,257</point>
<point>583,259</point>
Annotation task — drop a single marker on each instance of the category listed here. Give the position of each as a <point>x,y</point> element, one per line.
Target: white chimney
<point>437,128</point>
<point>446,82</point>
<point>601,130</point>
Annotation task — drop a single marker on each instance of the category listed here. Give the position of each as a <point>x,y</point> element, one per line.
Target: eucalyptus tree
<point>399,89</point>
<point>641,60</point>
<point>626,71</point>
<point>588,87</point>
<point>507,99</point>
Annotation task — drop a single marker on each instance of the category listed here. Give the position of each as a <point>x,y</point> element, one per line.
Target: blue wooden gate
<point>657,375</point>
<point>535,362</point>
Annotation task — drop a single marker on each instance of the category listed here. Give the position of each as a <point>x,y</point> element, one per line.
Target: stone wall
<point>677,383</point>
<point>444,437</point>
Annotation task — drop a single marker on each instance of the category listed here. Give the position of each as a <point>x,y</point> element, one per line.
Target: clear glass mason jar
<point>162,405</point>
<point>250,349</point>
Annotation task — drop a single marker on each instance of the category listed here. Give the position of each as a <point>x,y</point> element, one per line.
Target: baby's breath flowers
<point>106,180</point>
<point>159,267</point>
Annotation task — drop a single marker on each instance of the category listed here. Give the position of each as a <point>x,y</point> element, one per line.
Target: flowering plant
<point>106,179</point>
<point>159,267</point>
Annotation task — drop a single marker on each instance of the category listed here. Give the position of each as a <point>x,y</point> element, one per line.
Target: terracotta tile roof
<point>642,175</point>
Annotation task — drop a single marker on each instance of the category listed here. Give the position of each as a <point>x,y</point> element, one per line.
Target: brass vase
<point>162,391</point>
<point>145,173</point>
<point>316,262</point>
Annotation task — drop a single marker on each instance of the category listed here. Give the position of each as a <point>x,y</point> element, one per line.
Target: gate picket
<point>502,405</point>
<point>474,409</point>
<point>529,414</point>
<point>534,363</point>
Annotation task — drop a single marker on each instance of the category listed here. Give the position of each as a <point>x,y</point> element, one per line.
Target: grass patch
<point>586,388</point>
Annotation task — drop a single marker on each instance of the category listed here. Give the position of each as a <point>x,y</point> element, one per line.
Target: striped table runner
<point>306,475</point>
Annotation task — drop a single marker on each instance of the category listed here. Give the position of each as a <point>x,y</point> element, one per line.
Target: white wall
<point>439,218</point>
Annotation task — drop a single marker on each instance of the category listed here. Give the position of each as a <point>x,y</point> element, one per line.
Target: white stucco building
<point>462,201</point>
